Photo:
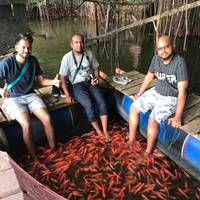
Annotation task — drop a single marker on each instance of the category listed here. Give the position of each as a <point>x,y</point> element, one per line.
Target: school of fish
<point>86,167</point>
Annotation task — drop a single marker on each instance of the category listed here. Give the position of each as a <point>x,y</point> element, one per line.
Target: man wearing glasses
<point>167,97</point>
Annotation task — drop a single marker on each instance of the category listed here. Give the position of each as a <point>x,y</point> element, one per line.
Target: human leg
<point>164,107</point>
<point>104,122</point>
<point>152,132</point>
<point>100,101</point>
<point>96,127</point>
<point>43,115</point>
<point>133,124</point>
<point>38,108</point>
<point>142,104</point>
<point>82,95</point>
<point>17,109</point>
<point>25,122</point>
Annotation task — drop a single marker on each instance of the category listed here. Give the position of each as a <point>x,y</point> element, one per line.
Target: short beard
<point>169,57</point>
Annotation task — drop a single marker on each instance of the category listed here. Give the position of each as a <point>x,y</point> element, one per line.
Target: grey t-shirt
<point>168,75</point>
<point>68,66</point>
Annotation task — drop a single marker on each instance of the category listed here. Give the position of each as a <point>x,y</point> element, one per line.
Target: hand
<point>175,122</point>
<point>94,81</point>
<point>56,81</point>
<point>69,100</point>
<point>135,97</point>
<point>3,91</point>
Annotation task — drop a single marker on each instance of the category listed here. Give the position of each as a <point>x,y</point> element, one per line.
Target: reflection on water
<point>133,50</point>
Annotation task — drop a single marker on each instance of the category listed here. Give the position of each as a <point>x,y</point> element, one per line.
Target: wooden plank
<point>52,102</point>
<point>197,136</point>
<point>191,101</point>
<point>132,91</point>
<point>3,118</point>
<point>192,127</point>
<point>191,113</point>
<point>131,74</point>
<point>129,85</point>
<point>45,90</point>
<point>6,117</point>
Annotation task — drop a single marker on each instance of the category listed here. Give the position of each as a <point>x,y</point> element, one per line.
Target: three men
<point>81,68</point>
<point>19,70</point>
<point>166,98</point>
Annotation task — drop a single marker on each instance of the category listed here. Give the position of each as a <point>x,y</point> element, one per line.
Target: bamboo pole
<point>151,19</point>
<point>186,27</point>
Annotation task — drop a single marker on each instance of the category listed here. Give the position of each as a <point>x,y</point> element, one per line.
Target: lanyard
<point>77,67</point>
<point>13,83</point>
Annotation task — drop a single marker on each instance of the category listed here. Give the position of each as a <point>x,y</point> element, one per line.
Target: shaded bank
<point>121,13</point>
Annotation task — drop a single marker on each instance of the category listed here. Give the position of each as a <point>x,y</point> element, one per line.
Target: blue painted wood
<point>180,146</point>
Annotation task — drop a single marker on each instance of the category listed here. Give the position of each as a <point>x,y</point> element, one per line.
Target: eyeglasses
<point>164,47</point>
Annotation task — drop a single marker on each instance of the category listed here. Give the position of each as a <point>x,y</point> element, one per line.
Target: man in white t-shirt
<point>81,69</point>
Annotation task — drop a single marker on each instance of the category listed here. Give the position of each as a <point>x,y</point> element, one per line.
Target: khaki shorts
<point>25,103</point>
<point>161,107</point>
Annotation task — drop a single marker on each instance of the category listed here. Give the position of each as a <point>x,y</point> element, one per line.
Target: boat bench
<point>52,103</point>
<point>191,114</point>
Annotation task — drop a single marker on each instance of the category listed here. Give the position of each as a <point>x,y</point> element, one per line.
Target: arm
<point>68,98</point>
<point>182,94</point>
<point>147,81</point>
<point>47,82</point>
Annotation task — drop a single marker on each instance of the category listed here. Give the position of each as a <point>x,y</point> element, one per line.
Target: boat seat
<point>52,103</point>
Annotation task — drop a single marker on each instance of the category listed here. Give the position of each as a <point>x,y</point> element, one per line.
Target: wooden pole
<point>96,21</point>
<point>151,19</point>
<point>71,7</point>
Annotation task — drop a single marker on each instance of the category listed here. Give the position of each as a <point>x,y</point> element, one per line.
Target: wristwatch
<point>138,94</point>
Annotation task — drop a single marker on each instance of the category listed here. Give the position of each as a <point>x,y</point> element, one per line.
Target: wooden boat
<point>67,120</point>
<point>181,145</point>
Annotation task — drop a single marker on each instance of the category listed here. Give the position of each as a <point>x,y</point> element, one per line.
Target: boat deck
<point>191,125</point>
<point>52,103</point>
<point>191,115</point>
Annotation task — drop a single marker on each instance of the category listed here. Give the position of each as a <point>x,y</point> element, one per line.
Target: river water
<point>132,50</point>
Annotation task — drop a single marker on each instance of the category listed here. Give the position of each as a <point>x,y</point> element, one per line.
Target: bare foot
<point>143,158</point>
<point>126,137</point>
<point>108,138</point>
<point>157,153</point>
<point>100,133</point>
<point>130,143</point>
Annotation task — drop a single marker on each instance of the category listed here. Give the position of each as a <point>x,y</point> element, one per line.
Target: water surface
<point>132,50</point>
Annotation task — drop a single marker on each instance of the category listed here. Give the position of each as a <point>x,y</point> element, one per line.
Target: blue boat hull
<point>67,121</point>
<point>180,146</point>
